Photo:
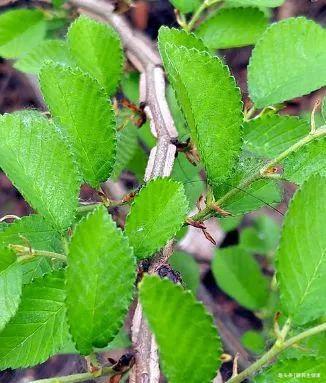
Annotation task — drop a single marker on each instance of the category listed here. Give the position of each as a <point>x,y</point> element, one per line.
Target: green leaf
<point>263,237</point>
<point>259,193</point>
<point>214,114</point>
<point>293,53</point>
<point>55,50</point>
<point>183,330</point>
<point>253,341</point>
<point>37,161</point>
<point>238,274</point>
<point>102,267</point>
<point>232,27</point>
<point>179,121</point>
<point>270,135</point>
<point>86,117</point>
<point>258,3</point>
<point>185,6</point>
<point>20,31</point>
<point>293,371</point>
<point>38,330</point>
<point>126,148</point>
<point>301,164</point>
<point>323,109</point>
<point>32,230</point>
<point>156,215</point>
<point>230,223</point>
<point>97,49</point>
<point>10,285</point>
<point>130,86</point>
<point>301,257</point>
<point>188,268</point>
<point>35,231</point>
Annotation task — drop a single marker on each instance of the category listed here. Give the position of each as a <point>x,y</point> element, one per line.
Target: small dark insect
<point>166,271</point>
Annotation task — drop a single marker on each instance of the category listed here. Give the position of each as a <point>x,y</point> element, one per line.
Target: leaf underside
<point>184,331</point>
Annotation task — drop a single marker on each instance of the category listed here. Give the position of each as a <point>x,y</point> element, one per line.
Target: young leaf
<point>214,114</point>
<point>38,330</point>
<point>230,223</point>
<point>293,53</point>
<point>97,49</point>
<point>56,50</point>
<point>157,214</point>
<point>188,268</point>
<point>270,135</point>
<point>34,231</point>
<point>185,6</point>
<point>99,281</point>
<point>233,27</point>
<point>85,116</point>
<point>20,31</point>
<point>183,330</point>
<point>308,160</point>
<point>10,285</point>
<point>36,159</point>
<point>301,257</point>
<point>293,371</point>
<point>238,274</point>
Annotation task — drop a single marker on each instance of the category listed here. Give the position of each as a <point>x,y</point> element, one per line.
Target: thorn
<point>209,237</point>
<point>235,365</point>
<point>220,211</point>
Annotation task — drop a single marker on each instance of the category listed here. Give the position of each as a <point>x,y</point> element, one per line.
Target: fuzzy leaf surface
<point>270,135</point>
<point>20,31</point>
<point>156,215</point>
<point>10,285</point>
<point>293,53</point>
<point>310,159</point>
<point>97,49</point>
<point>214,114</point>
<point>55,50</point>
<point>99,281</point>
<point>232,27</point>
<point>38,162</point>
<point>85,116</point>
<point>38,330</point>
<point>238,274</point>
<point>183,329</point>
<point>286,371</point>
<point>301,257</point>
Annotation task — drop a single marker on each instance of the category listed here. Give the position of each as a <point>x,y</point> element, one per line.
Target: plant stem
<point>78,377</point>
<point>209,211</point>
<point>277,348</point>
<point>203,6</point>
<point>27,253</point>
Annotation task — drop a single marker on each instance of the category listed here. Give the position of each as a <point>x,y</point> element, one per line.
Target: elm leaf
<point>97,49</point>
<point>238,274</point>
<point>301,256</point>
<point>183,329</point>
<point>293,53</point>
<point>38,162</point>
<point>156,215</point>
<point>85,116</point>
<point>38,330</point>
<point>20,31</point>
<point>99,281</point>
<point>232,27</point>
